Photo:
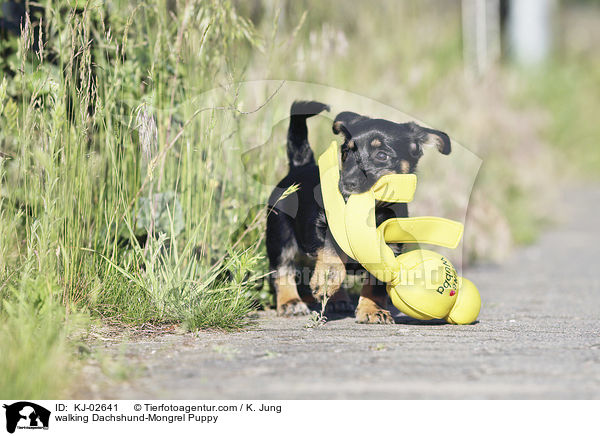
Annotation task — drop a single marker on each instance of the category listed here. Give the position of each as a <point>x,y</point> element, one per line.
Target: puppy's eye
<point>382,156</point>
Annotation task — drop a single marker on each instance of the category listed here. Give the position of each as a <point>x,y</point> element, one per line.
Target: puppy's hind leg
<point>282,249</point>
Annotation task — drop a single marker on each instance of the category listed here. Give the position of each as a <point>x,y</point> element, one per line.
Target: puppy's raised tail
<point>298,149</point>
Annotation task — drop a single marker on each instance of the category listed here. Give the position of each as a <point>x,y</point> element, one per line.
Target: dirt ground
<point>538,336</point>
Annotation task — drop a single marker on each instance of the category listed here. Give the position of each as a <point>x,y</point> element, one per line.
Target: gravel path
<point>538,336</point>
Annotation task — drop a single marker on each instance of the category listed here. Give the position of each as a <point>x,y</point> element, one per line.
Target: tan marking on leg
<point>288,300</point>
<point>329,274</point>
<point>286,289</point>
<point>371,308</point>
<point>404,166</point>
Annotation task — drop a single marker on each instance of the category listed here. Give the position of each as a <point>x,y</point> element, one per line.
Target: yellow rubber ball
<point>428,287</point>
<point>468,303</point>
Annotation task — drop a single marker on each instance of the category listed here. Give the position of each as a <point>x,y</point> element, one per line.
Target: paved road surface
<point>538,336</point>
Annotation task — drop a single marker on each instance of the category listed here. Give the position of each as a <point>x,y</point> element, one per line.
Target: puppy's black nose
<point>351,185</point>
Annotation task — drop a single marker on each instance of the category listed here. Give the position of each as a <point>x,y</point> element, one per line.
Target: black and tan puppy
<point>297,225</point>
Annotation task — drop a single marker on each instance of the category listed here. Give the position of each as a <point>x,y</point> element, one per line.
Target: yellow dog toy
<point>421,283</point>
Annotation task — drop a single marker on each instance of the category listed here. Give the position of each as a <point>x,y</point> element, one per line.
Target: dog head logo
<point>26,415</point>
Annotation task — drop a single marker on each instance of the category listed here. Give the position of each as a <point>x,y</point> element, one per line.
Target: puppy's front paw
<point>293,308</point>
<point>369,312</point>
<point>327,279</point>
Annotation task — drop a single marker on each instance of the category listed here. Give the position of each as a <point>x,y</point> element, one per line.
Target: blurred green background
<point>524,100</point>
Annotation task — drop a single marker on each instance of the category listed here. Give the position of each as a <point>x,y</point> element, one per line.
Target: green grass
<point>103,148</point>
<point>33,338</point>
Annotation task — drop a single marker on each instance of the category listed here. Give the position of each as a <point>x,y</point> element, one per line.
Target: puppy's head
<point>375,147</point>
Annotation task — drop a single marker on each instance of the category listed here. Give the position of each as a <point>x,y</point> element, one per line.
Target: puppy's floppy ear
<point>438,139</point>
<point>343,123</point>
